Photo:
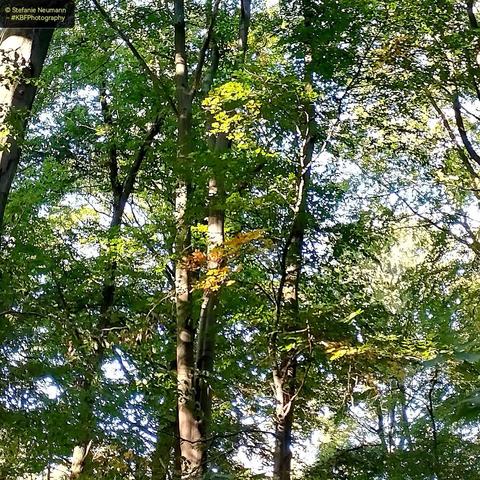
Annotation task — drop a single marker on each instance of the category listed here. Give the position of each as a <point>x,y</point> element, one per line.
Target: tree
<point>23,53</point>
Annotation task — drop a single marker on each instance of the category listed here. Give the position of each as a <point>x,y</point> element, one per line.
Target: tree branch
<point>453,138</point>
<point>157,82</point>
<point>197,76</point>
<point>132,174</point>
<point>461,129</point>
<point>112,151</point>
<point>471,15</point>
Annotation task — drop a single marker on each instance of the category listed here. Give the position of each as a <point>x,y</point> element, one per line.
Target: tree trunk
<point>207,326</point>
<point>431,413</point>
<point>245,12</point>
<point>284,375</point>
<point>189,432</point>
<point>288,309</point>
<point>121,192</point>
<point>381,425</point>
<point>162,454</point>
<point>208,316</point>
<point>22,52</point>
<point>284,379</point>
<point>81,465</point>
<point>405,425</point>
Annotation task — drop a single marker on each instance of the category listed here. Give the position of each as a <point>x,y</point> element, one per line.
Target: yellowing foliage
<point>218,276</point>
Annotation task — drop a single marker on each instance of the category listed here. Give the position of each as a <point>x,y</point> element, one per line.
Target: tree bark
<point>381,425</point>
<point>81,464</point>
<point>23,53</point>
<point>285,370</point>
<point>431,413</point>
<point>405,425</point>
<point>188,426</point>
<point>207,326</point>
<point>162,454</point>
<point>194,398</point>
<point>245,12</point>
<point>121,192</point>
<point>471,14</point>
<point>284,379</point>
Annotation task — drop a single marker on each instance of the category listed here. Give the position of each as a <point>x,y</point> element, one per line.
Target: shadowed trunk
<point>22,52</point>
<point>162,454</point>
<point>405,425</point>
<point>194,400</point>
<point>288,309</point>
<point>381,426</point>
<point>207,326</point>
<point>284,374</point>
<point>121,191</point>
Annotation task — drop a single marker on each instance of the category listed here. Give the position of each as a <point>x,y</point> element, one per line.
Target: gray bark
<point>189,432</point>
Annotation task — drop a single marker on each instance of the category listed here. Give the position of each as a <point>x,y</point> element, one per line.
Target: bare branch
<point>143,150</point>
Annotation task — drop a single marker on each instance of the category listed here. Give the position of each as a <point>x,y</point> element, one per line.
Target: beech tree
<point>23,53</point>
<point>241,242</point>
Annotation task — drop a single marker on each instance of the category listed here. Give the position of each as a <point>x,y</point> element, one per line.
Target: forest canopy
<point>239,240</point>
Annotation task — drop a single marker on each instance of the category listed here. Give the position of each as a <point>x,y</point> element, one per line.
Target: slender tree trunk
<point>245,12</point>
<point>121,191</point>
<point>288,309</point>
<point>285,372</point>
<point>162,454</point>
<point>177,472</point>
<point>405,425</point>
<point>23,53</point>
<point>284,378</point>
<point>392,428</point>
<point>188,425</point>
<point>381,426</point>
<point>195,346</point>
<point>207,327</point>
<point>208,316</point>
<point>433,422</point>
<point>471,14</point>
<point>81,464</point>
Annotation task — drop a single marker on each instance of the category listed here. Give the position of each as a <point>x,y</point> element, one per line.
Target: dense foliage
<point>242,242</point>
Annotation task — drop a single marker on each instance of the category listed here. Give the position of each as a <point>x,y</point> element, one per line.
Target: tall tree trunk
<point>284,374</point>
<point>288,309</point>
<point>23,53</point>
<point>193,391</point>
<point>207,326</point>
<point>208,315</point>
<point>381,424</point>
<point>436,468</point>
<point>121,192</point>
<point>245,12</point>
<point>81,465</point>
<point>284,378</point>
<point>188,426</point>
